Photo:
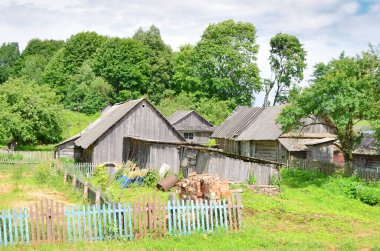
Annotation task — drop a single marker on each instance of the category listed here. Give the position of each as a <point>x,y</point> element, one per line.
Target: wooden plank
<point>119,220</point>
<point>154,211</point>
<point>135,226</point>
<point>42,217</point>
<point>220,212</point>
<point>38,219</point>
<point>145,216</point>
<point>57,221</point>
<point>15,225</point>
<point>26,226</point>
<point>1,231</point>
<point>164,217</point>
<point>225,215</point>
<point>89,223</point>
<point>21,217</point>
<point>63,222</point>
<point>4,219</point>
<point>188,217</point>
<point>104,218</point>
<point>239,209</point>
<point>48,221</point>
<point>140,216</point>
<point>211,215</point>
<point>229,212</point>
<point>207,217</point>
<point>130,222</point>
<point>169,217</point>
<point>173,208</point>
<point>203,214</point>
<point>193,215</point>
<point>179,214</point>
<point>99,219</point>
<point>234,212</point>
<point>96,237</point>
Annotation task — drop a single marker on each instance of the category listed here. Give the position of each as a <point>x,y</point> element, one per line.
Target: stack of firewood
<point>203,186</point>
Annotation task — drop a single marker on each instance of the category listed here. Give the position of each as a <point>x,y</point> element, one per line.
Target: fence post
<point>74,181</point>
<point>85,190</point>
<point>97,197</point>
<point>65,177</point>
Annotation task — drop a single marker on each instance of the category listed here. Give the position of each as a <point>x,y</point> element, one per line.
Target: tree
<point>87,93</point>
<point>30,113</point>
<point>35,57</point>
<point>9,53</point>
<point>288,61</point>
<point>339,93</point>
<point>215,111</point>
<point>161,62</point>
<point>123,64</point>
<point>223,63</point>
<point>67,61</point>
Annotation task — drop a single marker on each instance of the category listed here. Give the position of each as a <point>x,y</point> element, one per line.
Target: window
<point>189,135</point>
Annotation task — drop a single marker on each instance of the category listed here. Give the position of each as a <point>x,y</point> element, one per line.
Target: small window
<point>189,135</point>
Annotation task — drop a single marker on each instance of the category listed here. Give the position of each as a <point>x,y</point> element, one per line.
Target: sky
<point>324,27</point>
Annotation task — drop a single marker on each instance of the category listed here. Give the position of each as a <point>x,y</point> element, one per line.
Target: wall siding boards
<point>199,159</point>
<point>142,121</point>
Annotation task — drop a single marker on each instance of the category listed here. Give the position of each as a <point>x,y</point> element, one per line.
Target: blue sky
<point>325,27</point>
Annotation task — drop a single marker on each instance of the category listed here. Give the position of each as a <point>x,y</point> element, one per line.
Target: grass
<point>309,214</point>
<point>21,185</point>
<point>75,122</point>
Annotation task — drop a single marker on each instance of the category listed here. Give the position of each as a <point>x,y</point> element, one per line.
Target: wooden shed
<point>192,126</point>
<point>367,154</point>
<point>102,140</point>
<point>254,132</point>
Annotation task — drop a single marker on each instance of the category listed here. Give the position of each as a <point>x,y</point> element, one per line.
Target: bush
<point>251,179</point>
<point>368,195</point>
<point>100,177</point>
<point>42,173</point>
<point>151,178</point>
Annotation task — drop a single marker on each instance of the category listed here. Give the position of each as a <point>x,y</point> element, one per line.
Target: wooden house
<point>254,132</point>
<point>192,126</point>
<point>367,154</point>
<point>102,140</point>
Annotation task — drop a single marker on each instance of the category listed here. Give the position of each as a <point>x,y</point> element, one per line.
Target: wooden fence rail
<point>80,169</point>
<point>368,174</point>
<point>149,216</point>
<point>37,156</point>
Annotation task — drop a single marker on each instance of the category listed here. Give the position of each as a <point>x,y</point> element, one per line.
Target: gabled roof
<point>178,115</point>
<point>237,122</point>
<point>69,139</point>
<point>108,118</point>
<point>264,126</point>
<point>368,146</point>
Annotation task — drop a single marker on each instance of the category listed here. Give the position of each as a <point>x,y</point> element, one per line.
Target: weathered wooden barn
<point>192,126</point>
<point>367,154</point>
<point>102,140</point>
<point>254,132</point>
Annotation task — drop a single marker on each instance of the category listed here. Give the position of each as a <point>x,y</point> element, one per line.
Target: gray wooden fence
<point>190,158</point>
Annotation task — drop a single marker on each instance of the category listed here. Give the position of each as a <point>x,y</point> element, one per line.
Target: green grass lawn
<point>313,212</point>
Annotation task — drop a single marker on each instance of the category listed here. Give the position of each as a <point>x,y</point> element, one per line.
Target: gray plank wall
<point>193,119</point>
<point>142,121</point>
<point>154,154</point>
<point>66,150</point>
<point>323,153</point>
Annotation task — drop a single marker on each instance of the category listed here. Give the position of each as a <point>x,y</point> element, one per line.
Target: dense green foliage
<point>29,113</point>
<point>222,64</point>
<point>288,61</point>
<point>345,91</point>
<point>9,53</point>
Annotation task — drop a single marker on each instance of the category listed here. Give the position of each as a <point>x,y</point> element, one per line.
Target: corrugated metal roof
<point>194,128</point>
<point>178,115</point>
<point>264,127</point>
<point>368,146</point>
<point>237,122</point>
<point>106,120</point>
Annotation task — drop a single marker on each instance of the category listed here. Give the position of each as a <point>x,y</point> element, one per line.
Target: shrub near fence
<point>146,217</point>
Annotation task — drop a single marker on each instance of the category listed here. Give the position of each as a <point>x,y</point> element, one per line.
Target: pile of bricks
<point>203,186</point>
